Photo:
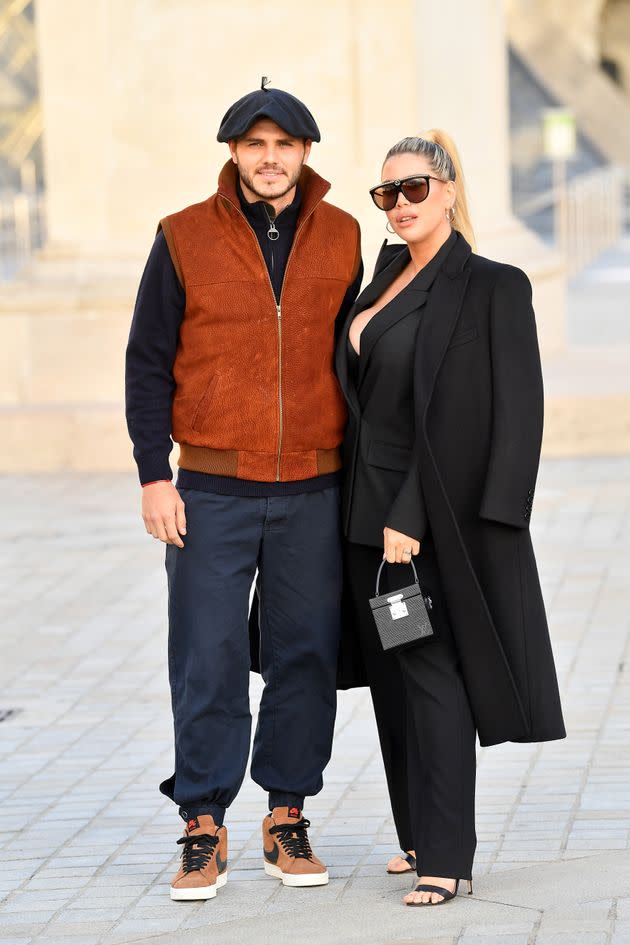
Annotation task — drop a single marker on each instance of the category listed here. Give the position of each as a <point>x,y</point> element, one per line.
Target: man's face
<point>269,160</point>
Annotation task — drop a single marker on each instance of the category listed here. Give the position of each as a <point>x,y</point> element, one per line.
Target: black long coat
<point>478,413</point>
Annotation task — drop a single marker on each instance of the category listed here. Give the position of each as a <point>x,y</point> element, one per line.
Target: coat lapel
<point>412,297</point>
<point>438,322</point>
<point>380,282</point>
<point>369,295</point>
<point>436,326</point>
<point>407,301</point>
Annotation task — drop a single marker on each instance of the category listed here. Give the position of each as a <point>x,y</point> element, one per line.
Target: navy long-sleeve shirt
<point>152,346</point>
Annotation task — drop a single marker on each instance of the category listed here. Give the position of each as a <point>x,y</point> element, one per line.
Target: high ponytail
<point>462,220</point>
<point>442,152</point>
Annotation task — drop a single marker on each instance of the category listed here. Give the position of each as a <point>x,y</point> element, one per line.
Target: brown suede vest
<point>256,396</point>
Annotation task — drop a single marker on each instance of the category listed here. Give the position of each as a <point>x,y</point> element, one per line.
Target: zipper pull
<point>279,311</point>
<point>272,233</point>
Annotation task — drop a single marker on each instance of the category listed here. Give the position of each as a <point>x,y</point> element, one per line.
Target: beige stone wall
<point>133,92</point>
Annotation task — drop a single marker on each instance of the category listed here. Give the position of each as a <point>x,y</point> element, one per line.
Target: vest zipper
<point>279,310</point>
<point>280,420</point>
<point>273,235</point>
<point>278,306</point>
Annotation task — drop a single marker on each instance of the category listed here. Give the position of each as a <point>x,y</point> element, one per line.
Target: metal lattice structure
<point>22,218</point>
<point>20,110</point>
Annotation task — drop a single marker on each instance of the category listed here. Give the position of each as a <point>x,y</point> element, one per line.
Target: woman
<point>439,363</point>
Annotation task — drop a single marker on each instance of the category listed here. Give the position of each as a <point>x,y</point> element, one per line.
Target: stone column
<point>462,77</point>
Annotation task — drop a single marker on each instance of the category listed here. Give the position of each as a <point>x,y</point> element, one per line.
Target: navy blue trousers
<point>294,542</point>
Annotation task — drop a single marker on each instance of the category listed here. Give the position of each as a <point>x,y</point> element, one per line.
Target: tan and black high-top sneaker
<point>287,851</point>
<point>204,860</point>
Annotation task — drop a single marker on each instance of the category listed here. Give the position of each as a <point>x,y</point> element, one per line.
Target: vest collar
<point>313,187</point>
<point>260,213</point>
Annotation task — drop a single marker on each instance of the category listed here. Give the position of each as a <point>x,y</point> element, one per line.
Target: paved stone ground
<point>88,843</point>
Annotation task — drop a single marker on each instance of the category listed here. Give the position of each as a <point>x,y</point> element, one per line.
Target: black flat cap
<point>286,110</point>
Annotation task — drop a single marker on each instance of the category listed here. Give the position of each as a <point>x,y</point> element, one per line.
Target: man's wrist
<point>153,481</point>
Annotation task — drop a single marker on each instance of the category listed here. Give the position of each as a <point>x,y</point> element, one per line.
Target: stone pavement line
<point>89,844</point>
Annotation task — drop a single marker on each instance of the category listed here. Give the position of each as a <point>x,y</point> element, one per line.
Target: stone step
<point>587,413</point>
<point>587,402</point>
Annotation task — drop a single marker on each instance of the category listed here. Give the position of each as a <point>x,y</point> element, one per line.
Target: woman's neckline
<point>377,312</point>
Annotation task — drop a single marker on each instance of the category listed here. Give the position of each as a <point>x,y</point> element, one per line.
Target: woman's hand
<point>396,544</point>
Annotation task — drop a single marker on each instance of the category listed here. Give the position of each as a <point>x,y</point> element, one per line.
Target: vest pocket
<point>201,410</point>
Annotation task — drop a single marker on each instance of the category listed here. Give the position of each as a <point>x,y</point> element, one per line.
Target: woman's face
<point>415,222</point>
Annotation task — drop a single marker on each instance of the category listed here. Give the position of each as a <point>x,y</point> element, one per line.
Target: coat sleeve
<point>517,403</point>
<point>408,513</point>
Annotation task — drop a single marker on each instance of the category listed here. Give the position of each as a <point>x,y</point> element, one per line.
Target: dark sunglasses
<point>414,188</point>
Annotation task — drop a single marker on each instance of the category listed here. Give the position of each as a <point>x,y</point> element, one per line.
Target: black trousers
<point>423,716</point>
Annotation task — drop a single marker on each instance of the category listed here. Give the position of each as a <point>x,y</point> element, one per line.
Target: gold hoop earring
<point>389,230</point>
<point>450,214</point>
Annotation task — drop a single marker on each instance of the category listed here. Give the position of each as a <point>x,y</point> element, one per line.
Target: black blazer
<point>478,410</point>
<point>381,476</point>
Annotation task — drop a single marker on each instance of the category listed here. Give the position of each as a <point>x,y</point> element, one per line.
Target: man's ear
<point>307,148</point>
<point>232,146</point>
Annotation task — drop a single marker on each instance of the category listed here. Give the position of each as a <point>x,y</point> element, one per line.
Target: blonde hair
<point>446,164</point>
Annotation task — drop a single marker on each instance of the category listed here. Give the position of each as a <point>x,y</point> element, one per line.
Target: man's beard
<point>249,182</point>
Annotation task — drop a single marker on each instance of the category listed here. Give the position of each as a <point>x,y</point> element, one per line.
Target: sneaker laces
<point>294,838</point>
<point>198,851</point>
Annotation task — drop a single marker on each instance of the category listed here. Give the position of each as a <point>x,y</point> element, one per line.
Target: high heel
<point>441,891</point>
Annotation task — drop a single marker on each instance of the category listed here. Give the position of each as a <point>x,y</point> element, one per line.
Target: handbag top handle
<point>378,576</point>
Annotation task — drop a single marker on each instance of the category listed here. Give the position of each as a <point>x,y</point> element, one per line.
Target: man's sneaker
<point>287,851</point>
<point>204,860</point>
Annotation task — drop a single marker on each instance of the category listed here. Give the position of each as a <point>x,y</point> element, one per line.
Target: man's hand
<point>396,544</point>
<point>163,512</point>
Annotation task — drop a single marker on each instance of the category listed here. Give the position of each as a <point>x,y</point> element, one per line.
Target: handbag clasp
<point>397,608</point>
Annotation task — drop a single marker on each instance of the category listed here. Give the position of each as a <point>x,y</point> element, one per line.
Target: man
<point>231,355</point>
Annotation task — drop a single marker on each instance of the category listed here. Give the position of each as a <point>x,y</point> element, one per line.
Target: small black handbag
<point>401,616</point>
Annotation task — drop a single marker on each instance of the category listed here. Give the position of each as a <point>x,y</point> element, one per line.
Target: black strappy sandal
<point>441,891</point>
<point>412,865</point>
